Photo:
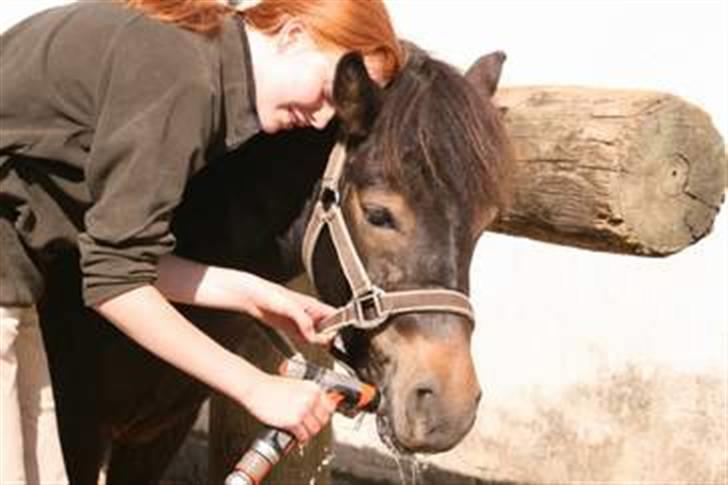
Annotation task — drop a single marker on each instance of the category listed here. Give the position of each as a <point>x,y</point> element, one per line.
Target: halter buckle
<point>368,309</point>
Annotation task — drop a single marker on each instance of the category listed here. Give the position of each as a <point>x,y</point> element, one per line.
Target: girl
<point>107,110</point>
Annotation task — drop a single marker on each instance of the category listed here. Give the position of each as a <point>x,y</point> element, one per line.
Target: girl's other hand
<point>285,309</point>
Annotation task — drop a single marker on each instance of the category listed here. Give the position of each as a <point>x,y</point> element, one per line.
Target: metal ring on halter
<point>370,301</point>
<point>329,198</point>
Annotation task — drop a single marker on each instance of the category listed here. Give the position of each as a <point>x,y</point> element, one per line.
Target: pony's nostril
<point>478,398</point>
<point>424,396</point>
<point>424,392</point>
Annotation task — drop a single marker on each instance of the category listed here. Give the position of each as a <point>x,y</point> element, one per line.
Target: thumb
<point>304,323</point>
<point>308,329</point>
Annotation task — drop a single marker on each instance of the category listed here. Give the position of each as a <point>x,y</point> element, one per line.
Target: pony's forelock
<point>434,125</point>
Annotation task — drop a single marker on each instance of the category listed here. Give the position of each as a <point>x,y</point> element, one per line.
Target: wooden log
<point>232,429</point>
<point>633,172</point>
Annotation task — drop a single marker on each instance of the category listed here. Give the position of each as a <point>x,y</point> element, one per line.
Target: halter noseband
<point>370,306</point>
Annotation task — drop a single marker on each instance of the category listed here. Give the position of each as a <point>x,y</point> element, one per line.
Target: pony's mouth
<point>386,432</point>
<point>385,428</point>
<point>375,371</point>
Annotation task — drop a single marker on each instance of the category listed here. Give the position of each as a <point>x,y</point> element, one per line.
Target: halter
<point>370,306</point>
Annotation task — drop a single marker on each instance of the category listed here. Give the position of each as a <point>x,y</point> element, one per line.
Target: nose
<point>322,116</point>
<point>425,411</point>
<point>436,421</point>
<point>423,397</point>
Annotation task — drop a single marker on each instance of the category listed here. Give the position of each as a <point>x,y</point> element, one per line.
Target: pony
<point>425,170</point>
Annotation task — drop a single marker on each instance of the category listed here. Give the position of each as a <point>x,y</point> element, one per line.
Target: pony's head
<point>426,160</point>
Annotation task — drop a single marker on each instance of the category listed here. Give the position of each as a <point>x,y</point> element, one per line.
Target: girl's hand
<point>300,407</point>
<point>285,309</point>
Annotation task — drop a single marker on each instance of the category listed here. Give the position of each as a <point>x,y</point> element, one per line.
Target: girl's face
<point>297,89</point>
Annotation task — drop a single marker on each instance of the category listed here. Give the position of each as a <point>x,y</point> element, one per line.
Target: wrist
<point>245,285</point>
<point>247,380</point>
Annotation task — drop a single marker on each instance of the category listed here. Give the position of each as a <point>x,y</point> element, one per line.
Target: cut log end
<point>623,171</point>
<point>675,185</point>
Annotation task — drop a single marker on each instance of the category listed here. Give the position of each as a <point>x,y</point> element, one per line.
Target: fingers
<point>298,325</point>
<point>319,314</point>
<point>288,315</point>
<point>306,325</point>
<point>313,422</point>
<point>301,310</point>
<point>318,309</point>
<point>314,337</point>
<point>314,307</point>
<point>324,410</point>
<point>301,433</point>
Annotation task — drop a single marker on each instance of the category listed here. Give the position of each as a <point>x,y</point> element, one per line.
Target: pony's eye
<point>379,217</point>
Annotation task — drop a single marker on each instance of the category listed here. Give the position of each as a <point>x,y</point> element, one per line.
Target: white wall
<point>554,316</point>
<point>679,46</point>
<point>563,333</point>
<point>14,10</point>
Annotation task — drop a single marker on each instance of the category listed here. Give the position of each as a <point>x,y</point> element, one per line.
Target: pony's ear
<point>485,73</point>
<point>357,98</point>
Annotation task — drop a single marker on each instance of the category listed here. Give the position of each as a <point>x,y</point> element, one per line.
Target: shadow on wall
<point>190,468</point>
<point>632,425</point>
<point>635,425</point>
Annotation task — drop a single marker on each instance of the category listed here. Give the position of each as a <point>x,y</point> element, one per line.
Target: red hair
<point>352,25</point>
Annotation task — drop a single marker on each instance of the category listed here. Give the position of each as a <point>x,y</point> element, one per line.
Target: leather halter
<point>370,306</point>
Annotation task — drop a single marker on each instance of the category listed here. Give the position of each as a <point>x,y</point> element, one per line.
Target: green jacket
<point>105,114</point>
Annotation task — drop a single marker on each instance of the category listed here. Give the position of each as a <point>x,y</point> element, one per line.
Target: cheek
<point>307,88</point>
<point>303,89</point>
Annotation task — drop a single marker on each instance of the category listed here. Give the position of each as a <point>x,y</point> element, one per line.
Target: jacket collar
<point>241,117</point>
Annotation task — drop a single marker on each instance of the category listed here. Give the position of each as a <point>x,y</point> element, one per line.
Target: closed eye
<point>380,217</point>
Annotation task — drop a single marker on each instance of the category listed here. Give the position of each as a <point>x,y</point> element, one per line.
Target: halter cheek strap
<point>370,306</point>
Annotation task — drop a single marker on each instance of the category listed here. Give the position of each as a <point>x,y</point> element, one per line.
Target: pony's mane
<point>433,124</point>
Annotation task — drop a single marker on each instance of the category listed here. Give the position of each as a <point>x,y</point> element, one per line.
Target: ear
<point>485,73</point>
<point>290,35</point>
<point>357,98</point>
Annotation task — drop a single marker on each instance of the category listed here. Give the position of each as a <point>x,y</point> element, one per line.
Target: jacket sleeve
<point>154,121</point>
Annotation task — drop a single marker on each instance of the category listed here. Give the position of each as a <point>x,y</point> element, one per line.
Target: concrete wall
<point>596,368</point>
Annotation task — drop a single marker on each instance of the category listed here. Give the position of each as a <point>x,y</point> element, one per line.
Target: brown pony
<point>425,173</point>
